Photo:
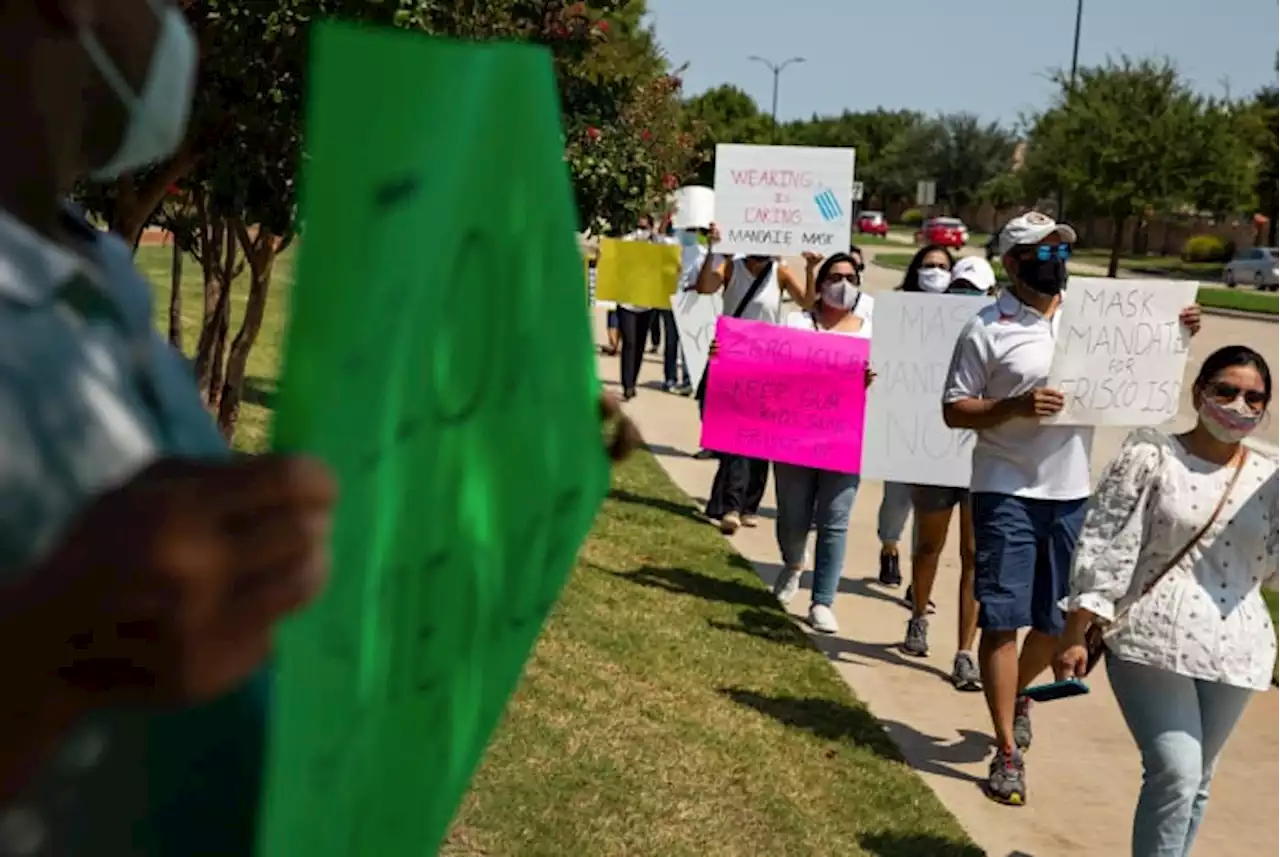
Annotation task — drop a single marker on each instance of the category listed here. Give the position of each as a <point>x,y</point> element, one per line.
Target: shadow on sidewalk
<point>829,720</point>
<point>929,754</point>
<point>915,845</point>
<point>685,582</point>
<point>887,653</point>
<point>769,625</point>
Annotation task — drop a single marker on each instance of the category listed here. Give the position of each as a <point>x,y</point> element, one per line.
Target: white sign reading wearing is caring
<point>1121,351</point>
<point>905,439</point>
<point>783,200</point>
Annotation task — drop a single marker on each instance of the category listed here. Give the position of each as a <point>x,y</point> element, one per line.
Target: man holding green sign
<point>142,570</point>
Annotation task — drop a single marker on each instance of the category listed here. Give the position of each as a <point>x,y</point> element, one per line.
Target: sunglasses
<point>1045,252</point>
<point>1224,394</point>
<point>852,279</point>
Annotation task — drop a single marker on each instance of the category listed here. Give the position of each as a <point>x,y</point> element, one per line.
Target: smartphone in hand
<point>1056,690</point>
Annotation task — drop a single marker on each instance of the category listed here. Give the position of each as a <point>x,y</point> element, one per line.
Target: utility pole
<point>777,69</point>
<point>1071,89</point>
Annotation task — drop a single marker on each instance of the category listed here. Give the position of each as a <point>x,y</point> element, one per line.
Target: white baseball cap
<point>975,271</point>
<point>1031,228</point>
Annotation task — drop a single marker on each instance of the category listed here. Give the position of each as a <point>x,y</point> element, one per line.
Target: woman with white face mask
<point>809,497</point>
<point>930,270</point>
<point>1176,544</point>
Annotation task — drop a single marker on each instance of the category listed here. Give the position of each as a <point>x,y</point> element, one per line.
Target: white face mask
<point>1228,423</point>
<point>934,280</point>
<point>841,294</point>
<point>158,115</point>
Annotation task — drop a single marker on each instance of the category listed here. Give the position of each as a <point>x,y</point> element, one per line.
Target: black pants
<point>634,327</point>
<point>655,328</point>
<point>738,486</point>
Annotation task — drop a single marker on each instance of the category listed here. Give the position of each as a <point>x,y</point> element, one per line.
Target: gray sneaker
<point>964,673</point>
<point>917,642</point>
<point>1006,781</point>
<point>1022,724</point>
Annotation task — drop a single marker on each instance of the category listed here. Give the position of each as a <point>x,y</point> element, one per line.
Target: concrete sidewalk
<point>1083,771</point>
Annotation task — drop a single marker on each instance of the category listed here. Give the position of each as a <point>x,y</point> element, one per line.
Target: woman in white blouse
<point>810,496</point>
<point>1179,538</point>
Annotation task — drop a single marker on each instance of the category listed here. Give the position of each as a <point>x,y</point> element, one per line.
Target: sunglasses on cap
<point>1225,394</point>
<point>1045,252</point>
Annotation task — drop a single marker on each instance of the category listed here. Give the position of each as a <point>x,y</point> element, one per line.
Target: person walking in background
<point>1176,544</point>
<point>634,323</point>
<point>931,507</point>
<point>809,497</point>
<point>675,373</point>
<point>753,287</point>
<point>1030,481</point>
<point>929,271</point>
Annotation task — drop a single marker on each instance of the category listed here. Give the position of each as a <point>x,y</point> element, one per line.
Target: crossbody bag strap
<point>1194,540</point>
<point>752,290</point>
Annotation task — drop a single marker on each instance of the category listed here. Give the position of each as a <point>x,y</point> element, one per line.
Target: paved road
<point>1084,771</point>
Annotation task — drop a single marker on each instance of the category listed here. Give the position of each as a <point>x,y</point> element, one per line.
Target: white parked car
<point>1257,266</point>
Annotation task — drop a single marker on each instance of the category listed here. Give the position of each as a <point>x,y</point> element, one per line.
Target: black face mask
<point>1048,277</point>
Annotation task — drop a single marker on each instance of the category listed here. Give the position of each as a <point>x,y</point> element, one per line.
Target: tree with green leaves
<point>727,115</point>
<point>1132,139</point>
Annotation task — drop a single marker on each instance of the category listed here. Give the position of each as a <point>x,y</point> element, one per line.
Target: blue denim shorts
<point>1023,563</point>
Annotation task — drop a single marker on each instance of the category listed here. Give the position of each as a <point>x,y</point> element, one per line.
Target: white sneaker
<point>786,586</point>
<point>822,620</point>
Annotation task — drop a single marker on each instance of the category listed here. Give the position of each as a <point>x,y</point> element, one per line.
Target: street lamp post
<point>1071,89</point>
<point>776,68</point>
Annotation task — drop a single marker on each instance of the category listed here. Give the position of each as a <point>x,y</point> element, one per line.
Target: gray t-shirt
<point>90,395</point>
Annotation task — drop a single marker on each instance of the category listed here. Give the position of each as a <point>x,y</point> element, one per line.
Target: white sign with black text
<point>905,439</point>
<point>1121,351</point>
<point>696,316</point>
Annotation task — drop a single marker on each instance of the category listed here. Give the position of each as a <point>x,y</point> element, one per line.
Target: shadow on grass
<point>768,625</point>
<point>825,718</point>
<point>260,391</point>
<point>684,510</point>
<point>915,845</point>
<point>685,582</point>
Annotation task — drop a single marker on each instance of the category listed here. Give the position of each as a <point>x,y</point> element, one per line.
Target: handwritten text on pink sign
<point>786,395</point>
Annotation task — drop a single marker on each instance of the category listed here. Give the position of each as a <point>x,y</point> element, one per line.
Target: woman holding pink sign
<point>808,496</point>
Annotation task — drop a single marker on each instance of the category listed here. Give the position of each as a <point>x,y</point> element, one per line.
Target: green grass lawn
<point>670,707</point>
<point>252,429</point>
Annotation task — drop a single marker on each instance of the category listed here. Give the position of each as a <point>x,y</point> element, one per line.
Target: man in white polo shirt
<point>1030,481</point>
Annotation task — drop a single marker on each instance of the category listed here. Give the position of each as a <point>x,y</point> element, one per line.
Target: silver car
<point>1257,266</point>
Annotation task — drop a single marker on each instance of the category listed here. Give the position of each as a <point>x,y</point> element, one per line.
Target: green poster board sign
<point>439,360</point>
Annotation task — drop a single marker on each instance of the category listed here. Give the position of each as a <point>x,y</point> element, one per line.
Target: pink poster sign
<point>786,395</point>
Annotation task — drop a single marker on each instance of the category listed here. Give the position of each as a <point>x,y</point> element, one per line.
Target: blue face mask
<point>688,238</point>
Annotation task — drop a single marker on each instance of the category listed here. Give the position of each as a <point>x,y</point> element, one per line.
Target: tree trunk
<point>261,251</point>
<point>212,231</point>
<point>1117,243</point>
<point>137,203</point>
<point>217,363</point>
<point>175,297</point>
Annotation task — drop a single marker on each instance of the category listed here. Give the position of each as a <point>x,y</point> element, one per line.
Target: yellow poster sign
<point>637,273</point>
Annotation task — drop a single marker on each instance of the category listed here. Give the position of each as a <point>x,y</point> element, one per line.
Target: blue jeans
<point>672,356</point>
<point>895,506</point>
<point>825,498</point>
<point>1022,563</point>
<point>1180,725</point>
